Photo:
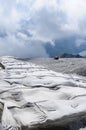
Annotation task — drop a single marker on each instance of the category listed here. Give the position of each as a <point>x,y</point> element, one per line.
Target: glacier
<point>33,97</point>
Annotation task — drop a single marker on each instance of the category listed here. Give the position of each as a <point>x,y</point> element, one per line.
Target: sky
<point>27,25</point>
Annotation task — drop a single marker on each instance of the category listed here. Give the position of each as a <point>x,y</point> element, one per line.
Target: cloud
<point>26,25</point>
<point>57,19</point>
<point>80,42</point>
<point>83,53</point>
<point>10,45</point>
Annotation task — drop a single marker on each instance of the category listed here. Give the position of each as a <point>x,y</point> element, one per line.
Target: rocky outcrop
<point>66,55</point>
<point>2,66</point>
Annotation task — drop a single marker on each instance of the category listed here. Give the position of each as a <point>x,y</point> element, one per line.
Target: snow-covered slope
<point>63,65</point>
<point>32,96</point>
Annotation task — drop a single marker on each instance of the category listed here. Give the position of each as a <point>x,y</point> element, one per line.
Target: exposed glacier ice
<point>32,96</point>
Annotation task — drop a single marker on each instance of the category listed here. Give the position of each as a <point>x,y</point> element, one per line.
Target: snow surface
<point>83,129</point>
<point>32,95</point>
<point>64,65</point>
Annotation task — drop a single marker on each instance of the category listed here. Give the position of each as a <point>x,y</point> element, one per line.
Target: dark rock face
<point>49,128</point>
<point>70,126</point>
<point>56,128</point>
<point>65,55</point>
<point>1,110</point>
<point>2,66</point>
